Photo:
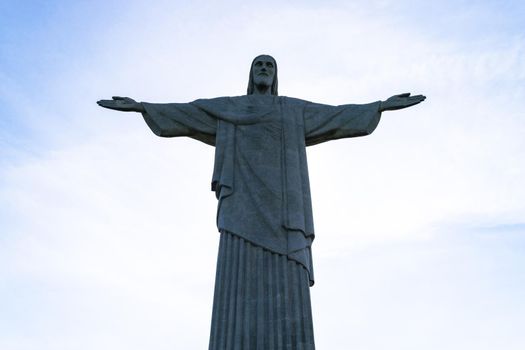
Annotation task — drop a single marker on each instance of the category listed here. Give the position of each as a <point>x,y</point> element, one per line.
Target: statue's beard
<point>262,81</point>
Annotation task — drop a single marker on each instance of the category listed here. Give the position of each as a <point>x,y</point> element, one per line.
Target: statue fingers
<point>399,96</point>
<point>124,100</point>
<point>118,105</point>
<point>417,99</point>
<point>106,103</point>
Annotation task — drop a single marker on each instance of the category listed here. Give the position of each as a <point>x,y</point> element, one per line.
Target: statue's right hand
<point>124,104</point>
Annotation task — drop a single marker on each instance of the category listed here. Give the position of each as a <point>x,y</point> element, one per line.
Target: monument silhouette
<point>264,214</point>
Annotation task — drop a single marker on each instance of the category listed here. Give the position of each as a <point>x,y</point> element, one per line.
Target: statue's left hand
<point>124,104</point>
<point>401,101</point>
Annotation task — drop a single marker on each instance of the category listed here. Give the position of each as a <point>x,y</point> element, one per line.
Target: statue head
<point>263,72</point>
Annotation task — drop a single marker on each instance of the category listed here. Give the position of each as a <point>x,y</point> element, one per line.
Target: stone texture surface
<point>264,214</point>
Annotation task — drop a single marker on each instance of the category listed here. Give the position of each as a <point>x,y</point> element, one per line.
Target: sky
<point>107,232</point>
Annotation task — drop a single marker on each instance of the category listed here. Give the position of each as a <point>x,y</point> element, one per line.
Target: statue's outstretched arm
<point>400,101</point>
<point>170,119</point>
<point>124,104</point>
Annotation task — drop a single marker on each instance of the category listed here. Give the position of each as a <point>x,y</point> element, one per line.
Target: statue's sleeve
<point>324,123</point>
<point>180,119</point>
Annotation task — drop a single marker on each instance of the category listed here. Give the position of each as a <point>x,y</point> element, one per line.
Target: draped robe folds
<point>260,174</point>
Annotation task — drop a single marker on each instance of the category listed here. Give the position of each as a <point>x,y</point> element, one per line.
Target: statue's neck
<point>262,90</point>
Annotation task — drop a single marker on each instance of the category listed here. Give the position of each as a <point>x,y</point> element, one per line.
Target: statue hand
<point>124,104</point>
<point>401,101</point>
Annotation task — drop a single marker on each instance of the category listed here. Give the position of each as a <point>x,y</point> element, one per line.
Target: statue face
<point>263,71</point>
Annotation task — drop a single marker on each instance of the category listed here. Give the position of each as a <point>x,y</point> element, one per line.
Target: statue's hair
<point>251,85</point>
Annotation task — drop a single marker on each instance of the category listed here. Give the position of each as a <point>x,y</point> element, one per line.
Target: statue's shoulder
<point>294,101</point>
<point>249,100</point>
<point>222,99</point>
<point>215,104</point>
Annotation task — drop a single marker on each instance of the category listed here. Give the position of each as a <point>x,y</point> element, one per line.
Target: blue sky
<point>107,237</point>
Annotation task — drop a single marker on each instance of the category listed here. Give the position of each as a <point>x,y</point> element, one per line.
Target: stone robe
<point>260,175</point>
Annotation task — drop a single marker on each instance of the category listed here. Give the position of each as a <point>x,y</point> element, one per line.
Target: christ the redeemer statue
<point>264,215</point>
